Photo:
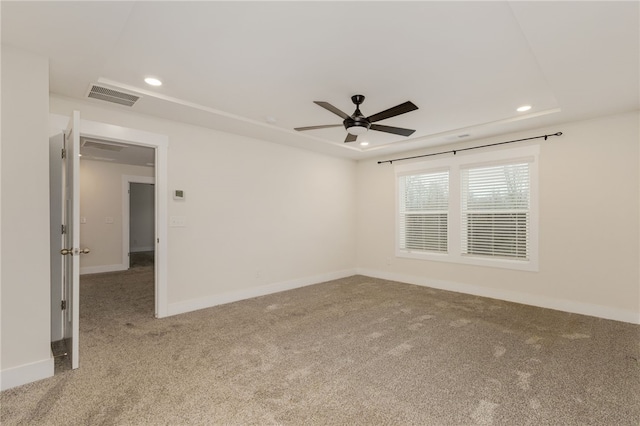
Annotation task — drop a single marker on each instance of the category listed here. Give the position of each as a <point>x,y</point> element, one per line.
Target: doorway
<point>139,232</point>
<point>117,134</point>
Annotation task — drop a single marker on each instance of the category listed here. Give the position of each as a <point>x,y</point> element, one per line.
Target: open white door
<point>56,214</point>
<point>71,250</point>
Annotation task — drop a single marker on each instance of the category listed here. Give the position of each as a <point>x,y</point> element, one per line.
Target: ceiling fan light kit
<point>357,128</point>
<point>357,124</point>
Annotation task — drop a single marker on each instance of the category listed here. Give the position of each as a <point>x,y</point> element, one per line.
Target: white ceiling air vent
<point>113,96</point>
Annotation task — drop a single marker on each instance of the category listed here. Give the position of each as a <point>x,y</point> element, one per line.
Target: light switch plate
<point>178,221</point>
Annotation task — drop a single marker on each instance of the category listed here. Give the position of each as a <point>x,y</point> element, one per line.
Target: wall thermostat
<point>178,194</point>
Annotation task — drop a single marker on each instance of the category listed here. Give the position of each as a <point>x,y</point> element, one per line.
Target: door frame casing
<point>114,133</point>
<point>127,180</point>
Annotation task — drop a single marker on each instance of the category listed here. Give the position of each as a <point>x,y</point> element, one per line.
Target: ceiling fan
<point>357,124</point>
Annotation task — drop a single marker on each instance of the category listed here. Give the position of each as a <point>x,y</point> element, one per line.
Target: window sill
<point>530,265</point>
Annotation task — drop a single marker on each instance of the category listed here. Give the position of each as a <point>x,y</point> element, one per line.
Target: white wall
<point>101,198</point>
<point>142,217</point>
<point>25,353</point>
<point>259,216</point>
<point>589,225</point>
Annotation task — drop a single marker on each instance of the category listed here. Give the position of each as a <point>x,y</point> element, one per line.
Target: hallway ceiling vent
<point>113,96</point>
<point>105,146</point>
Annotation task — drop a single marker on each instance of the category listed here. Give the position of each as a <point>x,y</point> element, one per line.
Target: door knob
<point>65,252</point>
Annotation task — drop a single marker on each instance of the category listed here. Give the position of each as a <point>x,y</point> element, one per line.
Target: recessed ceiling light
<point>364,143</point>
<point>524,108</point>
<point>152,81</point>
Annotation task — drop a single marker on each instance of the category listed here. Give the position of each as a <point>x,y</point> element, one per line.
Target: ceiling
<point>255,68</point>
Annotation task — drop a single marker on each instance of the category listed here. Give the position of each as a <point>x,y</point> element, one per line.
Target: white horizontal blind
<point>423,212</point>
<point>495,211</point>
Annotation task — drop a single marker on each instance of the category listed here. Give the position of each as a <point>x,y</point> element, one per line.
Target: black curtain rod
<point>467,149</point>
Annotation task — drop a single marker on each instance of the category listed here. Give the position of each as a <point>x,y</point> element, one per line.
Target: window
<point>495,211</point>
<point>477,208</point>
<point>424,200</point>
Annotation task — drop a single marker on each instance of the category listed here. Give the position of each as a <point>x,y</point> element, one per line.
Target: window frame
<point>455,164</point>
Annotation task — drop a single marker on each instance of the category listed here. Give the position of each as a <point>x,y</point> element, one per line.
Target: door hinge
<point>63,305</point>
<point>64,153</point>
<point>63,229</point>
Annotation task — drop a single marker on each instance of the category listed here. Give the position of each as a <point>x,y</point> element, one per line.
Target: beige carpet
<point>356,351</point>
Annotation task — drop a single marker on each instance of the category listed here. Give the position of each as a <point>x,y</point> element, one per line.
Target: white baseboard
<point>27,373</point>
<point>234,296</point>
<point>139,249</point>
<point>102,268</point>
<point>564,305</point>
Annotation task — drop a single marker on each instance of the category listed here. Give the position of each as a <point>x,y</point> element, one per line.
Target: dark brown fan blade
<point>326,126</point>
<point>394,130</point>
<point>392,112</point>
<point>350,138</point>
<point>328,106</point>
